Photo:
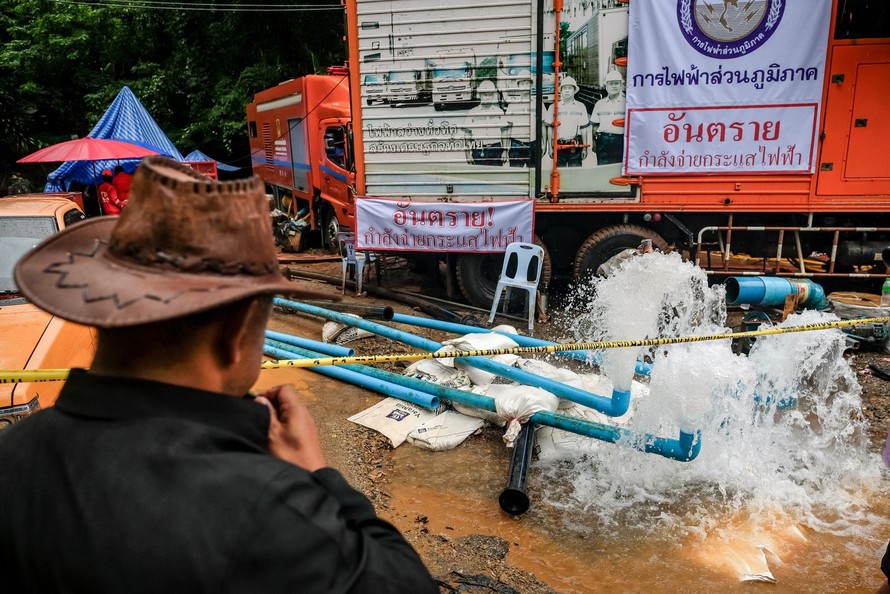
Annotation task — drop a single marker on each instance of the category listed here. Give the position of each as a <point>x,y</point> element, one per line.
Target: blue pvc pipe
<point>684,449</point>
<point>772,290</point>
<point>456,328</point>
<point>405,381</point>
<point>381,329</point>
<point>326,348</point>
<point>383,387</point>
<point>614,406</point>
<point>592,357</point>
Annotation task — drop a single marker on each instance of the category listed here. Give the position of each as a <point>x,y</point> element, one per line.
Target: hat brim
<point>73,276</point>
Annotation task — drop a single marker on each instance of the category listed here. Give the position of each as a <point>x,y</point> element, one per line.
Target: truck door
<point>335,169</point>
<point>299,154</point>
<point>856,117</point>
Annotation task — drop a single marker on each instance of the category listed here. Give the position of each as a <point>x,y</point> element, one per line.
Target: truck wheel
<point>477,277</point>
<point>440,107</point>
<point>330,227</point>
<point>609,241</point>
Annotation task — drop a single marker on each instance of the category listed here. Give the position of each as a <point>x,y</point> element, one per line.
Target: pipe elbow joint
<point>618,404</point>
<point>684,449</point>
<point>688,446</point>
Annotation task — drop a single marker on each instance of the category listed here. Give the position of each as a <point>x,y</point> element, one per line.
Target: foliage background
<point>193,65</point>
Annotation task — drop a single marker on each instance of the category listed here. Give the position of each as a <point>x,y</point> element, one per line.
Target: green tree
<point>194,70</point>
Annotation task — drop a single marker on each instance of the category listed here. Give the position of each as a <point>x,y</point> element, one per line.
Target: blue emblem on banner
<point>727,29</point>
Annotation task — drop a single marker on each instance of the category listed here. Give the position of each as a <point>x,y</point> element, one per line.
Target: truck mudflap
<point>15,413</point>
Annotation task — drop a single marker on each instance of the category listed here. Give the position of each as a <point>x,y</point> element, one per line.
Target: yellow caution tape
<point>33,375</point>
<point>577,346</point>
<point>48,375</point>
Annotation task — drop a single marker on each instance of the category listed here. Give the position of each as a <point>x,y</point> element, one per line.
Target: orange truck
<point>299,144</point>
<point>749,136</point>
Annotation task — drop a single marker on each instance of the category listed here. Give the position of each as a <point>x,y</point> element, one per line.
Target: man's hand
<point>292,433</point>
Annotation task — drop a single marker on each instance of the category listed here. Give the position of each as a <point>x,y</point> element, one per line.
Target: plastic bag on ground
<point>557,374</point>
<point>557,444</point>
<point>393,418</point>
<point>337,333</point>
<point>448,430</point>
<point>436,372</point>
<point>478,342</point>
<point>471,411</point>
<point>757,566</point>
<point>515,404</point>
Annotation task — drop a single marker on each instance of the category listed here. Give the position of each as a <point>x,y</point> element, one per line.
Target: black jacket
<point>137,486</point>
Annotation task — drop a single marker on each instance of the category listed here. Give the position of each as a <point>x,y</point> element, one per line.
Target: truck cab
<point>408,86</point>
<point>300,145</point>
<point>453,80</point>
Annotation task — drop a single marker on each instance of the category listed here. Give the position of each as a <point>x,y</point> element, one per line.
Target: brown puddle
<point>569,550</point>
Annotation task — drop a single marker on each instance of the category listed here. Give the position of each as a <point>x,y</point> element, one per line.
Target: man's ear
<point>232,331</point>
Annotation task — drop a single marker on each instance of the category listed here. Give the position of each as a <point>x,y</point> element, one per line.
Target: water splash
<point>784,441</point>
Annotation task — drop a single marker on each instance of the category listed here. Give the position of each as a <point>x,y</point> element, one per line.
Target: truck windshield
<point>450,73</point>
<point>17,236</point>
<point>373,79</point>
<point>401,76</point>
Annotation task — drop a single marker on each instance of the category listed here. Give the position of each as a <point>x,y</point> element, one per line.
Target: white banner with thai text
<point>730,87</point>
<point>383,224</point>
<point>735,139</point>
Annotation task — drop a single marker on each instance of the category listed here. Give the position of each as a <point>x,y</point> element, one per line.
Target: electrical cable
<point>202,6</point>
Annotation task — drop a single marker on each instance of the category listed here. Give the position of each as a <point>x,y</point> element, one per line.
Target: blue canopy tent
<point>125,119</point>
<point>197,155</point>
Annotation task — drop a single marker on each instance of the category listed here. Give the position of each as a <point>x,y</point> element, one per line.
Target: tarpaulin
<point>125,119</point>
<point>197,155</point>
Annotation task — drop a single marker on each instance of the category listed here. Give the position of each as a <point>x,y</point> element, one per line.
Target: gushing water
<point>784,455</point>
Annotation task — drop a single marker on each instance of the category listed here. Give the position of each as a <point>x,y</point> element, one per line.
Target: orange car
<point>29,337</point>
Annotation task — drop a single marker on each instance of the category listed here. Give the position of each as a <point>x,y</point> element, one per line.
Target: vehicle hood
<point>21,327</point>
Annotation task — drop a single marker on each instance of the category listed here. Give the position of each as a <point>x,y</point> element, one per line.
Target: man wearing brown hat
<point>154,472</point>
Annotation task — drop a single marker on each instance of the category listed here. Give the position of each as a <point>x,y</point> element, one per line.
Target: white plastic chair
<point>353,259</point>
<point>522,270</point>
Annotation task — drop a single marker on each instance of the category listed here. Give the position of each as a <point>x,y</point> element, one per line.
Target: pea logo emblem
<point>726,29</point>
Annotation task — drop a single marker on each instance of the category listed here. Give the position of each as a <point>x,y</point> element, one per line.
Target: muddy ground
<point>461,559</point>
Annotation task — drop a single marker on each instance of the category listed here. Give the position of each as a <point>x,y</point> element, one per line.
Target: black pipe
<point>440,313</point>
<point>369,312</point>
<point>514,500</point>
<point>473,321</point>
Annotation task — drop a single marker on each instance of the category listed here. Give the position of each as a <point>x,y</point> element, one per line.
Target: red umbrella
<point>88,149</point>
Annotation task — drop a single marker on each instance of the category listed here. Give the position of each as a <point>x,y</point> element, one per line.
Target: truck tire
<point>477,277</point>
<point>609,241</point>
<point>330,227</point>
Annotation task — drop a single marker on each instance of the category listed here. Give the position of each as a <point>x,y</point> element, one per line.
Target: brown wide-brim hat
<point>183,244</point>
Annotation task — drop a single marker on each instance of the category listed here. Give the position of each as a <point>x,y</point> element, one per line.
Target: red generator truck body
<point>299,144</point>
<point>749,136</point>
